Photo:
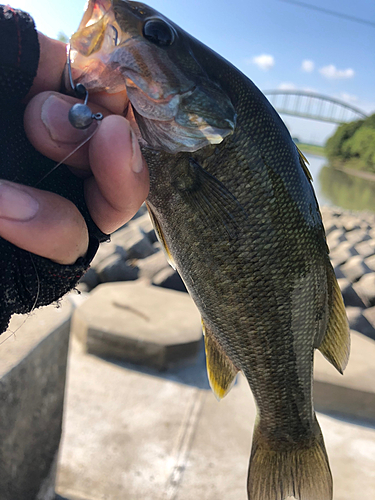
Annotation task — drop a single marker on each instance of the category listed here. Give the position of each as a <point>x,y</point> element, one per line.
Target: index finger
<point>50,68</point>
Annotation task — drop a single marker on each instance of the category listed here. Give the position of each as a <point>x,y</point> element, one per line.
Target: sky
<point>278,45</point>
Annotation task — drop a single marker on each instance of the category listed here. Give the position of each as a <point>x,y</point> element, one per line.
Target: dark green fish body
<point>240,222</point>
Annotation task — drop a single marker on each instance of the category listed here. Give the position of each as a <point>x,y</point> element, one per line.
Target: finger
<point>42,223</point>
<point>120,181</point>
<point>48,128</point>
<point>116,103</point>
<point>51,65</point>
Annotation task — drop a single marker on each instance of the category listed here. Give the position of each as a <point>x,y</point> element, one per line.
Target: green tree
<point>354,145</point>
<point>362,146</point>
<point>62,37</point>
<point>334,145</point>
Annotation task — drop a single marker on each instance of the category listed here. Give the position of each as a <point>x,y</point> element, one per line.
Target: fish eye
<point>115,38</point>
<point>158,32</point>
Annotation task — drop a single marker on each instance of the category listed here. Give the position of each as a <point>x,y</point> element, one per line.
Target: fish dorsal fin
<point>304,162</point>
<point>160,236</point>
<point>220,369</point>
<point>335,345</point>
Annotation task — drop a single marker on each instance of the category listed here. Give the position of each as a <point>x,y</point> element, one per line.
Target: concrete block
<point>352,394</point>
<point>335,237</point>
<point>90,278</point>
<point>115,268</point>
<point>139,323</point>
<point>354,268</point>
<point>341,253</point>
<point>134,242</point>
<point>169,278</point>
<point>330,226</point>
<point>337,270</point>
<point>144,224</point>
<point>32,384</point>
<point>349,295</point>
<point>365,248</point>
<point>82,288</point>
<point>359,322</point>
<point>369,314</point>
<point>105,250</point>
<point>151,265</point>
<point>357,235</point>
<point>350,222</point>
<point>142,210</point>
<point>365,288</point>
<point>131,435</point>
<point>370,262</point>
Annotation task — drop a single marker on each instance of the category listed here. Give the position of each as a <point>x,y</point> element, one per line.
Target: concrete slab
<point>217,463</point>
<point>140,323</point>
<point>33,354</point>
<point>136,436</point>
<point>121,428</point>
<point>352,394</point>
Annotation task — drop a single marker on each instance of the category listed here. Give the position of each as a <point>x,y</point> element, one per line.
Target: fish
<point>232,203</point>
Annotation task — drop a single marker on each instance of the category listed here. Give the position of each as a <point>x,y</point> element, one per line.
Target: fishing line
<point>68,156</point>
<point>330,12</point>
<point>80,117</point>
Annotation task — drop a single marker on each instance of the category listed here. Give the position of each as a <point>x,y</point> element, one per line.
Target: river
<point>336,188</point>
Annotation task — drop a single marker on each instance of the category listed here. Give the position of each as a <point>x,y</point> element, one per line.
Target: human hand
<point>116,180</point>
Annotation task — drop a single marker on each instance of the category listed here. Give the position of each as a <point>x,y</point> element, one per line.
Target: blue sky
<point>268,40</point>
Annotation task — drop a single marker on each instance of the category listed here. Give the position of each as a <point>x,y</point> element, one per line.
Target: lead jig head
<point>80,115</point>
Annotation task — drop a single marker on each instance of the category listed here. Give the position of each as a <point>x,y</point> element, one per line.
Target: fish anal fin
<point>220,369</point>
<point>299,470</point>
<point>304,162</point>
<point>335,345</point>
<point>161,237</point>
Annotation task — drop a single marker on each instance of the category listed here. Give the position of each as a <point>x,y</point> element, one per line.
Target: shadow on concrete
<point>193,374</point>
<point>59,497</point>
<point>359,421</point>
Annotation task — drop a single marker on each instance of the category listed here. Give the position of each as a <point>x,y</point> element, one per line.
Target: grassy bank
<point>311,149</point>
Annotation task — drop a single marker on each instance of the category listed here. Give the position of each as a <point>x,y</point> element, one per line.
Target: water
<point>336,188</point>
<point>316,163</point>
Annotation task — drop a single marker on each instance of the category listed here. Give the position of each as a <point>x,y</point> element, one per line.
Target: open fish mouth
<point>126,46</point>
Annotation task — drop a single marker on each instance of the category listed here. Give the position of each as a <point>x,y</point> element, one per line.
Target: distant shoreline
<point>311,149</point>
<point>369,176</point>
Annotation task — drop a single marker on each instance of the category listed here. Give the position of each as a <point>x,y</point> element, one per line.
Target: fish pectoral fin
<point>212,200</point>
<point>335,345</point>
<point>161,237</point>
<point>220,369</point>
<point>304,162</point>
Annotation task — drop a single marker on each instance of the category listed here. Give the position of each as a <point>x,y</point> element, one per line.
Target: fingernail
<point>54,115</point>
<point>16,204</point>
<point>137,159</point>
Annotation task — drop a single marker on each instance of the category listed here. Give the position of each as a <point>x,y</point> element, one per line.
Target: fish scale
<point>232,203</point>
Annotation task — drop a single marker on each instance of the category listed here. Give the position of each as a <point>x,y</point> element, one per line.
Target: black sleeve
<point>27,280</point>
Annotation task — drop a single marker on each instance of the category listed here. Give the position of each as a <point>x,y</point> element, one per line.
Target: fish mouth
<point>170,108</point>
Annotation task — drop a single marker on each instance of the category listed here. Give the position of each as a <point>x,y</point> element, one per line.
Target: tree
<point>334,145</point>
<point>62,37</point>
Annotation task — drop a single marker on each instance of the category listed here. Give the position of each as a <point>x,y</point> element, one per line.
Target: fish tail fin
<point>300,470</point>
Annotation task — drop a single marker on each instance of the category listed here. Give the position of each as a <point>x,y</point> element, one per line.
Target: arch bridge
<point>313,106</point>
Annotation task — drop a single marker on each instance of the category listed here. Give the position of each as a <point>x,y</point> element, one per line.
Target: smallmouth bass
<point>232,203</point>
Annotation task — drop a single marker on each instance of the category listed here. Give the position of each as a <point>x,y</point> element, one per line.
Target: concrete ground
<point>133,434</point>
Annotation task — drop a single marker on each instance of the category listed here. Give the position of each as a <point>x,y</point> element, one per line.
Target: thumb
<point>48,128</point>
<point>42,223</point>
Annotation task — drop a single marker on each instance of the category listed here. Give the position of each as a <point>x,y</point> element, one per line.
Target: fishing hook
<point>80,115</point>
